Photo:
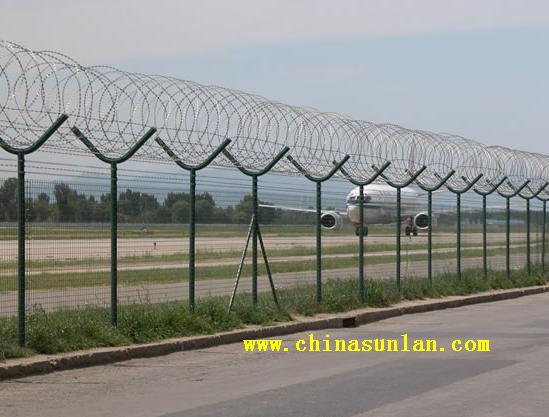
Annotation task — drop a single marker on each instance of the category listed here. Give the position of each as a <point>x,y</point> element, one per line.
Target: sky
<point>474,68</point>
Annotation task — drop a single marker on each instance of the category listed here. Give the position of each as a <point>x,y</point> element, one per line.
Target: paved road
<point>510,381</point>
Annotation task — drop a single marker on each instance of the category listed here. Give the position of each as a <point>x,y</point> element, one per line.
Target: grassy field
<point>158,276</point>
<point>206,255</point>
<point>66,331</point>
<point>102,231</point>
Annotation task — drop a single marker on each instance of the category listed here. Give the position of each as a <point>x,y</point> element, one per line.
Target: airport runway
<point>225,381</point>
<point>100,248</point>
<point>126,265</point>
<point>67,298</point>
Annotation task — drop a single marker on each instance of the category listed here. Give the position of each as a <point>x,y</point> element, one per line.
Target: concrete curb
<point>18,368</point>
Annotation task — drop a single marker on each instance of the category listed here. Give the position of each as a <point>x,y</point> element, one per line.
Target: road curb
<point>18,368</point>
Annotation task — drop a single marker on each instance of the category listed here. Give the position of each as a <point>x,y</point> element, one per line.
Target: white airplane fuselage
<point>380,204</point>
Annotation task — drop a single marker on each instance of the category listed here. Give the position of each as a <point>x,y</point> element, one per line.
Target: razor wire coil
<point>113,108</point>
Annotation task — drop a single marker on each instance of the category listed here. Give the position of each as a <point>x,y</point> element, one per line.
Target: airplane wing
<point>449,209</point>
<point>422,193</point>
<point>301,210</point>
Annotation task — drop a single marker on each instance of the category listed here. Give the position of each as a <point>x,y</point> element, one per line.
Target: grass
<point>65,331</point>
<point>102,231</point>
<point>160,276</point>
<point>61,231</point>
<point>205,255</point>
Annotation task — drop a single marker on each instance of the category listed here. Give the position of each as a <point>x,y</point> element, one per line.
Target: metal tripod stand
<point>253,225</point>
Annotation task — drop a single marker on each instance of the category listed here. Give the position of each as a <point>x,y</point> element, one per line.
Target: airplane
<point>379,208</point>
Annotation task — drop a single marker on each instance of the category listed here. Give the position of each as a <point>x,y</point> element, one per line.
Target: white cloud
<point>109,31</point>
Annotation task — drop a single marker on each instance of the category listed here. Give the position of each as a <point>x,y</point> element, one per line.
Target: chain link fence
<point>68,262</point>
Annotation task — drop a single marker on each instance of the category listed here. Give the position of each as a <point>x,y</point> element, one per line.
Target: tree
<point>65,199</point>
<point>180,212</point>
<point>162,215</point>
<point>133,204</point>
<point>102,212</point>
<point>204,210</point>
<point>242,212</point>
<point>40,209</point>
<point>84,209</point>
<point>8,200</point>
<point>173,198</point>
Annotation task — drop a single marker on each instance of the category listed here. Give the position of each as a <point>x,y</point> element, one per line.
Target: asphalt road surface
<point>510,381</point>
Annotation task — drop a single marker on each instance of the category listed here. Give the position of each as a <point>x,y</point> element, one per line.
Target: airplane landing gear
<point>410,229</point>
<point>357,231</point>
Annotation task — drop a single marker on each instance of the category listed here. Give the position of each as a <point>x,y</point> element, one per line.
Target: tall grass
<point>66,331</point>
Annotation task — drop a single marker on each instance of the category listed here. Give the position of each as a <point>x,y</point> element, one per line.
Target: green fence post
<point>484,240</point>
<point>508,237</point>
<point>21,219</point>
<point>361,242</point>
<point>508,224</point>
<point>21,222</point>
<point>484,195</point>
<point>255,207</point>
<point>458,235</point>
<point>361,185</point>
<point>255,214</point>
<point>528,258</point>
<point>398,231</point>
<point>430,237</point>
<point>458,218</point>
<point>544,222</point>
<point>430,191</point>
<point>318,214</point>
<point>192,206</point>
<point>398,187</point>
<point>113,162</point>
<point>528,228</point>
<point>114,244</point>
<point>192,237</point>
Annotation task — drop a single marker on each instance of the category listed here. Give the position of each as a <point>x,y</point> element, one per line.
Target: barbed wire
<point>114,108</point>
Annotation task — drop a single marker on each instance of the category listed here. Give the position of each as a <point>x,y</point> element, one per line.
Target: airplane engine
<point>421,220</point>
<point>331,220</point>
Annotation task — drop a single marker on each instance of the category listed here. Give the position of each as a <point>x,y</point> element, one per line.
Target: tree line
<point>68,205</point>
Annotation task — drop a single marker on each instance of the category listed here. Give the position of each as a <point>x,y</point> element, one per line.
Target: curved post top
<point>518,190</point>
<point>440,184</point>
<point>35,146</point>
<point>534,195</point>
<point>542,199</point>
<point>494,188</point>
<point>203,164</point>
<point>407,182</point>
<point>337,166</point>
<point>467,187</point>
<point>261,172</point>
<point>107,159</point>
<point>376,174</point>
